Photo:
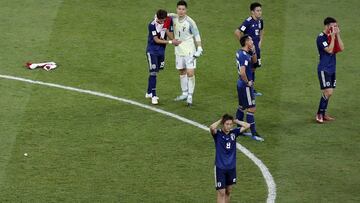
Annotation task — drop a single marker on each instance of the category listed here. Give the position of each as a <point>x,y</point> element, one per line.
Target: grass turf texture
<point>84,148</point>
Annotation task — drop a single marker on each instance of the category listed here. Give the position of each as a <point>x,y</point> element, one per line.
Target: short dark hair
<point>254,5</point>
<point>329,20</point>
<point>243,39</point>
<point>226,117</point>
<point>161,14</point>
<point>181,3</point>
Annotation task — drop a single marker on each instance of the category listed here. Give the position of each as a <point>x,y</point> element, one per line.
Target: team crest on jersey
<point>232,135</point>
<point>259,25</point>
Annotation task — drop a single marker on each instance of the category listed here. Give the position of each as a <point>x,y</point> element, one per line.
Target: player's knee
<point>328,93</point>
<point>182,71</point>
<point>252,109</point>
<point>190,73</point>
<point>228,191</point>
<point>222,192</point>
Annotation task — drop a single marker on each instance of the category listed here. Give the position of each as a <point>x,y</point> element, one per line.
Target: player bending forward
<point>155,51</point>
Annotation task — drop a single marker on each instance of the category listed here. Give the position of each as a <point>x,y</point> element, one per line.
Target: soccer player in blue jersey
<point>327,64</point>
<point>225,158</point>
<point>155,51</point>
<point>253,26</point>
<point>245,84</point>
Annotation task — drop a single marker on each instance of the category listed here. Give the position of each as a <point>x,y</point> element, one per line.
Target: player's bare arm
<point>244,77</point>
<point>330,48</point>
<point>254,56</point>
<point>341,44</point>
<point>244,125</point>
<point>238,34</point>
<point>170,35</point>
<point>213,127</point>
<point>162,41</point>
<point>261,37</point>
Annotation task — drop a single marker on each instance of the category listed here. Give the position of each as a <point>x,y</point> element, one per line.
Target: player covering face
<point>328,43</point>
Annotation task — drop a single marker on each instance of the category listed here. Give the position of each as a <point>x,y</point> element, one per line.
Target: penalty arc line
<point>264,170</point>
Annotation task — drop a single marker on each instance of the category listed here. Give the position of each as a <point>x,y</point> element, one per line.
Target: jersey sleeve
<point>215,135</point>
<point>244,26</point>
<point>241,60</point>
<point>152,30</point>
<point>322,42</point>
<point>193,27</point>
<point>261,24</point>
<point>237,131</point>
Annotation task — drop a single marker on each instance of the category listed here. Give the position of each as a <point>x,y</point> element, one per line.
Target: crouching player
<point>245,84</point>
<point>225,158</point>
<point>155,51</point>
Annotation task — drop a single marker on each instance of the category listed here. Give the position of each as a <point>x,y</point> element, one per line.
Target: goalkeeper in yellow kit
<point>186,31</point>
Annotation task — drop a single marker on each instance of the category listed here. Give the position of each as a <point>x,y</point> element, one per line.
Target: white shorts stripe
<point>323,78</point>
<point>215,176</point>
<point>248,95</point>
<point>149,59</point>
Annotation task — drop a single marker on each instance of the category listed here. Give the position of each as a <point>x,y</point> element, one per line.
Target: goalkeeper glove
<point>198,52</point>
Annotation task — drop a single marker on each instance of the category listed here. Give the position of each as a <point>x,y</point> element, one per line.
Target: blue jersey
<point>252,27</point>
<point>156,29</point>
<point>225,146</point>
<point>327,61</point>
<point>243,58</point>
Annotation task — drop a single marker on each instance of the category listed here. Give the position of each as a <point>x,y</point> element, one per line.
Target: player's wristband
<point>170,42</point>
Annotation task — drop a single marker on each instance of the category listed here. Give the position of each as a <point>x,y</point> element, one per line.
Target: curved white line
<point>264,170</point>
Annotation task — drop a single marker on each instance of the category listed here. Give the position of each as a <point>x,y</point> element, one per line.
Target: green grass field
<point>84,148</point>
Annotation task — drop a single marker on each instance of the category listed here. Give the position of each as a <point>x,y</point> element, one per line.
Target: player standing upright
<point>225,158</point>
<point>155,51</point>
<point>245,84</point>
<point>186,31</point>
<point>328,43</point>
<point>254,27</point>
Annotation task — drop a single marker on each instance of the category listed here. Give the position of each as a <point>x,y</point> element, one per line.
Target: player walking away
<point>253,26</point>
<point>328,43</point>
<point>225,158</point>
<point>155,51</point>
<point>186,31</point>
<point>245,84</point>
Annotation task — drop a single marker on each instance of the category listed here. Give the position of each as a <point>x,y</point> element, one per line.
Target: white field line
<point>264,170</point>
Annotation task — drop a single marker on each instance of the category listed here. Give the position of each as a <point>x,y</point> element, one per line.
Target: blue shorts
<point>224,177</point>
<point>156,62</point>
<point>245,95</point>
<point>327,80</point>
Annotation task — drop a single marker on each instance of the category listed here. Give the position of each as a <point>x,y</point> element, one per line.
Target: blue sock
<point>250,119</point>
<point>149,85</point>
<point>323,105</point>
<point>240,114</point>
<point>152,81</point>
